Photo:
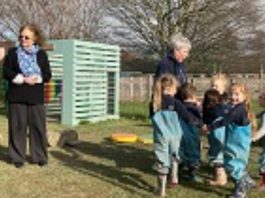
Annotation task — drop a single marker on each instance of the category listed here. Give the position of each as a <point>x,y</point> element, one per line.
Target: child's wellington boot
<point>239,191</point>
<point>262,184</point>
<point>161,186</point>
<point>173,177</point>
<point>220,177</point>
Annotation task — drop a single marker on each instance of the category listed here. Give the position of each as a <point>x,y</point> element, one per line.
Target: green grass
<point>100,168</point>
<point>135,110</point>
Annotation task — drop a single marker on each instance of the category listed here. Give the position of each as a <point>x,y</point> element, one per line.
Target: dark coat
<point>170,65</point>
<point>24,93</point>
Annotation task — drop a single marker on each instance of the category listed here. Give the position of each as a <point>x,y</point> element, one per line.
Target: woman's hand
<point>205,129</point>
<point>31,80</point>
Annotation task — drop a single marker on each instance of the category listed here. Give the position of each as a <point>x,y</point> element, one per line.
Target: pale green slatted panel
<point>81,95</point>
<point>87,102</point>
<point>91,108</point>
<point>57,72</point>
<point>96,57</point>
<point>92,97</point>
<point>91,117</point>
<point>56,63</point>
<point>94,64</point>
<point>96,51</point>
<point>87,48</point>
<point>93,79</point>
<point>89,78</point>
<point>100,93</point>
<point>100,96</point>
<point>93,45</point>
<point>91,111</point>
<point>90,73</point>
<point>97,61</point>
<point>88,86</point>
<point>83,80</point>
<point>91,90</point>
<point>89,55</point>
<point>97,68</point>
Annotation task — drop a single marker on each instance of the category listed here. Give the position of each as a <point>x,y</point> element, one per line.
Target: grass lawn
<point>99,168</point>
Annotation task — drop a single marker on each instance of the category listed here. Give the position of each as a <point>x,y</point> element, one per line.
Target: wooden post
<point>261,76</point>
<point>4,47</point>
<point>48,47</point>
<point>2,53</point>
<point>150,86</point>
<point>261,70</point>
<point>140,83</point>
<point>131,89</point>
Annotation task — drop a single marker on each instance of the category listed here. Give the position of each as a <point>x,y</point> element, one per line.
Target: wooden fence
<point>139,87</point>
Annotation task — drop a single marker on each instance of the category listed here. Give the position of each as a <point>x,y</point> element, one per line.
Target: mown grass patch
<point>98,167</point>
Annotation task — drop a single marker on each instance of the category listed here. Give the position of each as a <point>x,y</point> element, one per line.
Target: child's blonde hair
<point>243,89</point>
<point>221,77</point>
<point>163,82</point>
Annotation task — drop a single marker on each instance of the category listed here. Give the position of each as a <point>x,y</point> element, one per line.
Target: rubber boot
<point>220,177</point>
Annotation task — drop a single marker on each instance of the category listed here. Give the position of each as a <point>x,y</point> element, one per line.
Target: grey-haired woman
<point>26,68</point>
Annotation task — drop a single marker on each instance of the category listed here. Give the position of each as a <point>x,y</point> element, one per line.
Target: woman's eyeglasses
<point>24,37</point>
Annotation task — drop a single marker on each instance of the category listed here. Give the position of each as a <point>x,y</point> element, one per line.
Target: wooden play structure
<point>85,81</point>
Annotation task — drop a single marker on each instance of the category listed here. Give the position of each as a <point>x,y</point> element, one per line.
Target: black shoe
<point>248,181</point>
<point>18,164</point>
<point>240,190</point>
<point>42,163</point>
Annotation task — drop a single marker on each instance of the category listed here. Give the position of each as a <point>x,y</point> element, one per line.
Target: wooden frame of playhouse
<point>85,82</point>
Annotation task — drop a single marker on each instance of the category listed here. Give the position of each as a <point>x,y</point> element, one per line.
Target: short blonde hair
<point>221,77</point>
<point>178,41</point>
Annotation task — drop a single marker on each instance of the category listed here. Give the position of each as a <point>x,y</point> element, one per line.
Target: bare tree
<point>59,19</point>
<point>217,29</point>
<point>214,27</point>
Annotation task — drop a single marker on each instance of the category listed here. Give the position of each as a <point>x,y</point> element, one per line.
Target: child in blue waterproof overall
<point>260,135</point>
<point>238,138</point>
<point>190,147</point>
<point>216,138</point>
<point>214,109</point>
<point>166,111</point>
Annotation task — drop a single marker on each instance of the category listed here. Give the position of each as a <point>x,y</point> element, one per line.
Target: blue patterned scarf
<point>27,59</point>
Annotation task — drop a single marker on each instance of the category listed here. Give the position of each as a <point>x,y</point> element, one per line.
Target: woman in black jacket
<point>26,68</point>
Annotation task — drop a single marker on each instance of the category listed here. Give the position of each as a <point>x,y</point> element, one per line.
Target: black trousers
<point>22,117</point>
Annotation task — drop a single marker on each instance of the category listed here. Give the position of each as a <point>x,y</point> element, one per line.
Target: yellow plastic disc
<point>124,137</point>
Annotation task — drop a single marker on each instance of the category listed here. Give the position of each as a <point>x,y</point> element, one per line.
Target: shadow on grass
<point>4,154</point>
<point>129,160</point>
<point>130,164</point>
<point>134,116</point>
<point>206,173</point>
<point>259,143</point>
<point>124,155</point>
<point>3,110</point>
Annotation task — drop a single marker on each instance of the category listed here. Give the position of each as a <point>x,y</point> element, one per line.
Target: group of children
<point>178,118</point>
